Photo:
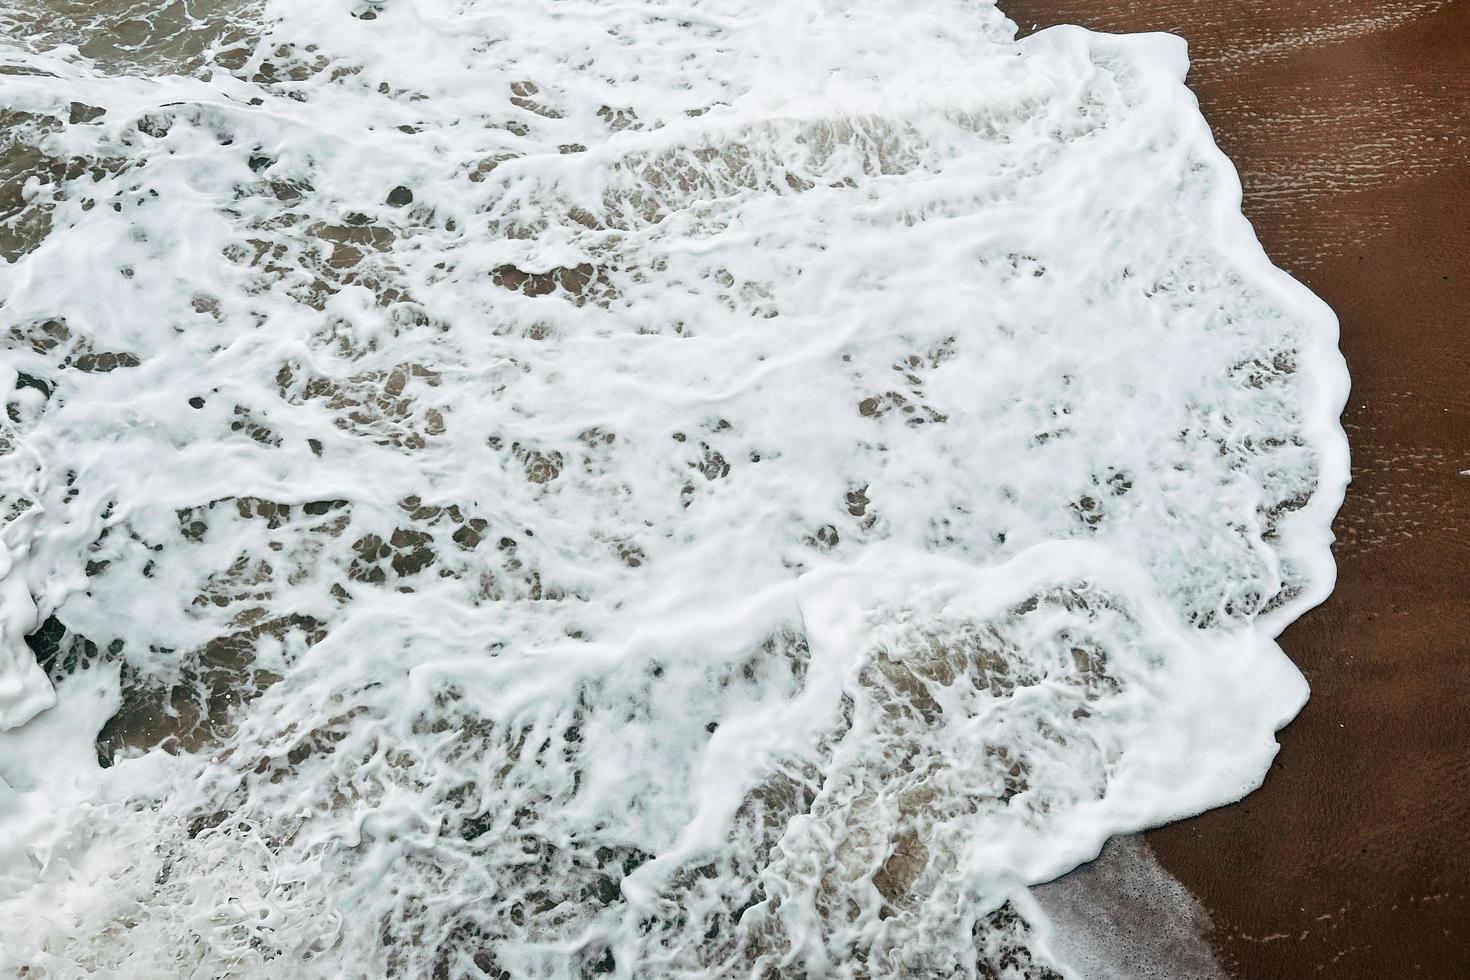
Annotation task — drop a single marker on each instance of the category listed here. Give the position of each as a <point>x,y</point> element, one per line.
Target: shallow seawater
<point>591,489</point>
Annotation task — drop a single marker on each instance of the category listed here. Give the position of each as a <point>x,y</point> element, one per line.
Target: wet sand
<point>1350,123</point>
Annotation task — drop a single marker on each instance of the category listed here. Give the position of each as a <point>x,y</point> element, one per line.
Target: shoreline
<point>1348,125</point>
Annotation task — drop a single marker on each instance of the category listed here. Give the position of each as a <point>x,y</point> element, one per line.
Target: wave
<point>597,488</point>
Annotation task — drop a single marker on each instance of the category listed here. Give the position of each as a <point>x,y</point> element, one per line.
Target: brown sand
<point>1350,123</point>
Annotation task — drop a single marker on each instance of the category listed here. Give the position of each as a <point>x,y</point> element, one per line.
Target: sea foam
<point>566,489</point>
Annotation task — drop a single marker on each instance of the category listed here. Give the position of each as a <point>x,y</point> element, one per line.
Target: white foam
<point>24,689</point>
<point>791,478</point>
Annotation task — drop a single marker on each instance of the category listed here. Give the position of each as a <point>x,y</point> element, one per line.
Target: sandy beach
<point>1349,123</point>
